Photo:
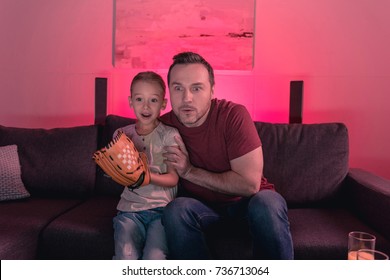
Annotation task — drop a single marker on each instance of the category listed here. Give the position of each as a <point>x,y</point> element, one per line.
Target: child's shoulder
<point>167,134</point>
<point>128,130</point>
<point>166,128</point>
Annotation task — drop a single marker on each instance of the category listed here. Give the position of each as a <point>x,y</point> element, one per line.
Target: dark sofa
<point>69,211</point>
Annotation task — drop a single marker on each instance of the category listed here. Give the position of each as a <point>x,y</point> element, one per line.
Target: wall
<point>52,50</point>
<point>50,53</point>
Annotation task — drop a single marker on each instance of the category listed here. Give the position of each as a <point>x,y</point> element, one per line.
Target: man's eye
<point>178,88</point>
<point>196,89</point>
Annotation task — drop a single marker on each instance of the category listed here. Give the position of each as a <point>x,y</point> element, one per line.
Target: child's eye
<point>154,100</point>
<point>138,99</point>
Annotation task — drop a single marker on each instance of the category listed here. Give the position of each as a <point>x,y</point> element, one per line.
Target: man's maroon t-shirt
<point>227,133</point>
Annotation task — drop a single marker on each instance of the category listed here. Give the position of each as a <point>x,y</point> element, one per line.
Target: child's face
<point>147,101</point>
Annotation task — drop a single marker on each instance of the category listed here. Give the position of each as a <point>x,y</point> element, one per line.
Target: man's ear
<point>164,104</point>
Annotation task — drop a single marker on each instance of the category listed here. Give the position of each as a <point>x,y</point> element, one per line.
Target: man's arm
<point>243,179</point>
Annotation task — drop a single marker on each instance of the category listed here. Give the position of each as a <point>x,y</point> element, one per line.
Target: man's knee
<point>178,203</point>
<point>177,206</point>
<point>267,202</point>
<point>177,210</point>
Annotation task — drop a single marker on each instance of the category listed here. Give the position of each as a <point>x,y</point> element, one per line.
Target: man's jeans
<point>140,235</point>
<point>185,220</point>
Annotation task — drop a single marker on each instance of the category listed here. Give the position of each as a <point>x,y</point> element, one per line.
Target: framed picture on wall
<point>148,33</point>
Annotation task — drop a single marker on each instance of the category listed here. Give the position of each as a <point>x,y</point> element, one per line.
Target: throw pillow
<point>11,185</point>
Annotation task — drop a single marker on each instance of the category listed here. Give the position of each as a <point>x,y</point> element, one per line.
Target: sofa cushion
<point>22,222</point>
<point>322,233</point>
<point>87,229</point>
<point>317,233</point>
<point>11,185</point>
<point>112,123</point>
<point>306,162</point>
<point>55,162</point>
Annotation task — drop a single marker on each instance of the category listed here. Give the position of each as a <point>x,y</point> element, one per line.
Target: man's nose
<point>187,96</point>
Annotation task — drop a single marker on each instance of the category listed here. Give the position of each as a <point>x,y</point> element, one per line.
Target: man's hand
<point>243,179</point>
<point>177,157</point>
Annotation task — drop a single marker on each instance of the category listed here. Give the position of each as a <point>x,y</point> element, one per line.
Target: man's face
<point>190,93</point>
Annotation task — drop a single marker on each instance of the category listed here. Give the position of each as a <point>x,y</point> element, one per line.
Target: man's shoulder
<point>229,109</point>
<point>167,118</point>
<point>227,105</point>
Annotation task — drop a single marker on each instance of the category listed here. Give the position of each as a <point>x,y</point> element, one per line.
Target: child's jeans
<point>140,235</point>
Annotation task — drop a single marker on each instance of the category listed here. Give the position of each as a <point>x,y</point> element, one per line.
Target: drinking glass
<point>359,240</point>
<point>368,254</point>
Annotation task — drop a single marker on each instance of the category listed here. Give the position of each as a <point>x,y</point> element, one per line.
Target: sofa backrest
<point>306,162</point>
<point>55,162</point>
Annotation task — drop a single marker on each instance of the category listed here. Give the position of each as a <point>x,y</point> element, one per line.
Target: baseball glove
<point>123,163</point>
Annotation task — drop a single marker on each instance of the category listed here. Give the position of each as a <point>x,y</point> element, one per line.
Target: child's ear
<point>164,104</point>
<point>130,103</point>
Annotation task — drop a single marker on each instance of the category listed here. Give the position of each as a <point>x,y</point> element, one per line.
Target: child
<point>139,233</point>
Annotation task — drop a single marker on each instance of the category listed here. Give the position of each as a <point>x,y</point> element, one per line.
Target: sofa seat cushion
<point>306,162</point>
<point>85,232</point>
<point>55,162</point>
<point>22,221</point>
<point>318,234</point>
<point>323,233</point>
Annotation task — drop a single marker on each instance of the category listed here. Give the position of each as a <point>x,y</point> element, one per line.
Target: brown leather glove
<point>123,163</point>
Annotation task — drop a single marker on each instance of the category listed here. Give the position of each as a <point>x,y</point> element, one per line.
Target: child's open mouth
<point>146,115</point>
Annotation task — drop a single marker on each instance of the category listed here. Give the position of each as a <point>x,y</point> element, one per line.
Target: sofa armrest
<point>369,197</point>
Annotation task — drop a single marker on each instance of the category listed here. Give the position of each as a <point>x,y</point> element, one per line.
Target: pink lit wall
<point>51,51</point>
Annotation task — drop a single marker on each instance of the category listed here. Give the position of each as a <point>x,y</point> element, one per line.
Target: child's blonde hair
<point>149,76</point>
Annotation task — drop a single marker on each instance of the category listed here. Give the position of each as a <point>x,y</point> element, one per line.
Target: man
<point>220,163</point>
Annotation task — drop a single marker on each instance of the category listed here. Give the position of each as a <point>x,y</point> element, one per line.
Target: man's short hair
<point>192,58</point>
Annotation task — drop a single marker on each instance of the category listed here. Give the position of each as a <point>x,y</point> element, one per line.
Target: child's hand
<point>177,157</point>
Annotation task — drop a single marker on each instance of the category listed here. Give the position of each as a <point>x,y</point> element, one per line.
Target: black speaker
<point>296,101</point>
<point>100,100</point>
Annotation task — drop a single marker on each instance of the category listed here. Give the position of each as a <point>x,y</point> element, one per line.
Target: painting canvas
<point>148,33</point>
